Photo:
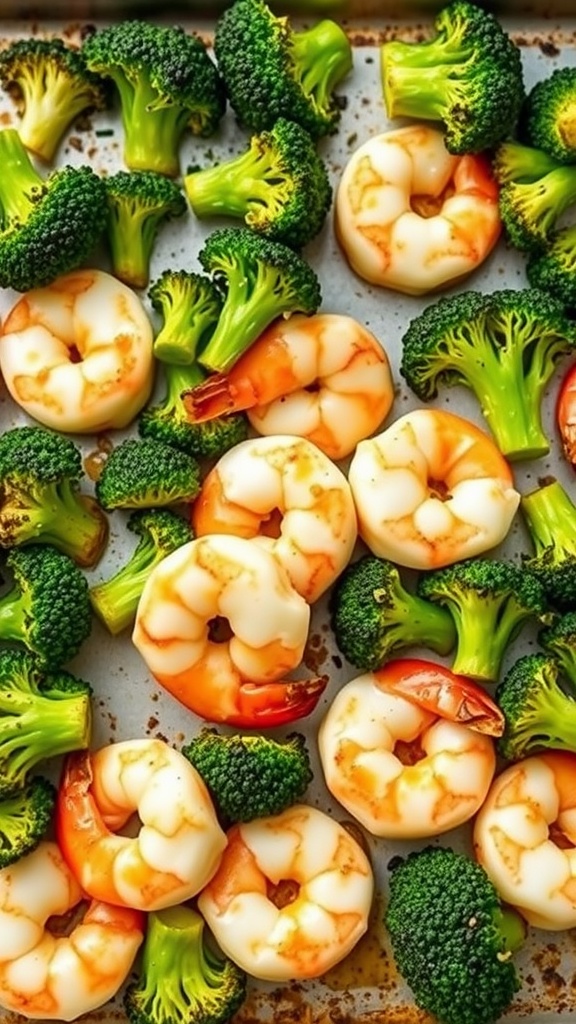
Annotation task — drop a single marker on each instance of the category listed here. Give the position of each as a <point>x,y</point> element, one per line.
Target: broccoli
<point>372,614</point>
<point>468,76</point>
<point>559,640</point>
<point>138,203</point>
<point>548,119</point>
<point>504,347</point>
<point>42,715</point>
<point>47,608</point>
<point>452,938</point>
<point>518,163</point>
<point>47,227</point>
<point>166,84</point>
<point>531,209</point>
<point>271,71</point>
<point>189,305</point>
<point>25,818</point>
<point>553,268</point>
<point>538,712</point>
<point>262,280</point>
<point>279,186</point>
<point>250,776</point>
<point>147,474</point>
<point>550,516</point>
<point>489,601</point>
<point>182,977</point>
<point>41,501</point>
<point>115,600</point>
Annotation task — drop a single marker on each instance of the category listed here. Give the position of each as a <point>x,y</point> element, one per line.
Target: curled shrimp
<point>411,216</point>
<point>566,415</point>
<point>292,895</point>
<point>284,492</point>
<point>431,490</point>
<point>323,377</point>
<point>180,842</point>
<point>407,749</point>
<point>77,355</point>
<point>50,976</point>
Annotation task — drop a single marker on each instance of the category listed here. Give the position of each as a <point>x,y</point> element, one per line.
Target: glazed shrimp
<point>405,749</point>
<point>525,838</point>
<point>179,845</point>
<point>287,494</point>
<point>411,216</point>
<point>77,355</point>
<point>566,415</point>
<point>322,377</point>
<point>291,897</point>
<point>431,490</point>
<point>44,975</point>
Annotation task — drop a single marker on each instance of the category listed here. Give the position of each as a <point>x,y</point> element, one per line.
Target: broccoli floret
<point>42,715</point>
<point>138,203</point>
<point>553,268</point>
<point>40,473</point>
<point>161,531</point>
<point>548,118</point>
<point>531,209</point>
<point>47,227</point>
<point>262,281</point>
<point>516,162</point>
<point>468,76</point>
<point>550,516</point>
<point>504,347</point>
<point>559,640</point>
<point>182,977</point>
<point>250,776</point>
<point>451,937</point>
<point>189,305</point>
<point>167,84</point>
<point>537,710</point>
<point>147,474</point>
<point>25,818</point>
<point>279,186</point>
<point>47,608</point>
<point>372,614</point>
<point>489,601</point>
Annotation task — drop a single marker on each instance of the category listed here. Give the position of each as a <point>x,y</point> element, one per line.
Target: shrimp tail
<point>264,706</point>
<point>218,395</point>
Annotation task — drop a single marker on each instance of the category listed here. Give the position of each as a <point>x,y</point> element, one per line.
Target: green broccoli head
<point>550,515</point>
<point>189,305</point>
<point>530,210</point>
<point>552,268</point>
<point>25,818</point>
<point>515,162</point>
<point>559,640</point>
<point>537,710</point>
<point>548,118</point>
<point>147,474</point>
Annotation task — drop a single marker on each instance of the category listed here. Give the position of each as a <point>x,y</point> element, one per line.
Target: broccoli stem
<point>151,134</point>
<point>131,235</point>
<point>51,105</point>
<point>484,631</point>
<point>73,523</point>
<point>32,728</point>
<point>322,56</point>
<point>511,926</point>
<point>566,125</point>
<point>556,718</point>
<point>550,516</point>
<point>414,90</point>
<point>230,188</point>
<point>173,951</point>
<point>19,181</point>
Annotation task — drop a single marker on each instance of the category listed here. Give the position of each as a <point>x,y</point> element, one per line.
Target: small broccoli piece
<point>451,937</point>
<point>167,84</point>
<point>548,118</point>
<point>559,640</point>
<point>518,163</point>
<point>279,186</point>
<point>553,268</point>
<point>550,516</point>
<point>161,531</point>
<point>537,710</point>
<point>47,227</point>
<point>182,977</point>
<point>504,347</point>
<point>250,776</point>
<point>531,209</point>
<point>25,818</point>
<point>147,474</point>
<point>189,305</point>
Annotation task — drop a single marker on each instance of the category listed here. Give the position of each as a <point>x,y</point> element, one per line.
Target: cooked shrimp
<point>566,415</point>
<point>291,897</point>
<point>405,749</point>
<point>432,489</point>
<point>287,494</point>
<point>77,355</point>
<point>323,377</point>
<point>179,844</point>
<point>211,586</point>
<point>413,217</point>
<point>50,976</point>
<point>525,838</point>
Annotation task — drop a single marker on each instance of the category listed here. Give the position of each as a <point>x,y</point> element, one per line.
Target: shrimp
<point>566,415</point>
<point>77,355</point>
<point>407,749</point>
<point>50,976</point>
<point>292,895</point>
<point>431,490</point>
<point>211,587</point>
<point>179,845</point>
<point>525,838</point>
<point>411,216</point>
<point>287,494</point>
<point>322,377</point>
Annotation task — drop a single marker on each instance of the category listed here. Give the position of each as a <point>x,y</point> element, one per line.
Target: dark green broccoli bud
<point>550,516</point>
<point>40,474</point>
<point>167,85</point>
<point>559,640</point>
<point>279,186</point>
<point>372,614</point>
<point>490,601</point>
<point>548,118</point>
<point>451,937</point>
<point>250,776</point>
<point>553,268</point>
<point>47,608</point>
<point>161,531</point>
<point>182,977</point>
<point>262,281</point>
<point>138,203</point>
<point>189,305</point>
<point>537,710</point>
<point>516,162</point>
<point>531,209</point>
<point>25,818</point>
<point>47,227</point>
<point>270,70</point>
<point>468,76</point>
<point>505,347</point>
<point>147,474</point>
